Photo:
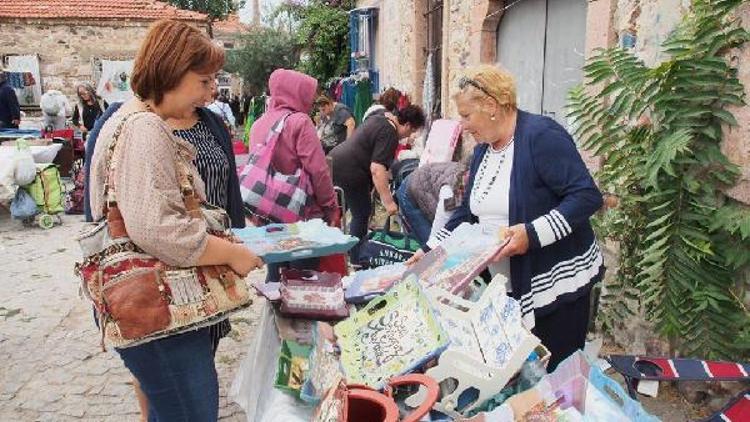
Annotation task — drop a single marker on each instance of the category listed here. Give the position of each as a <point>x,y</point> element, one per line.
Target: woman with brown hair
<point>387,103</point>
<point>172,75</point>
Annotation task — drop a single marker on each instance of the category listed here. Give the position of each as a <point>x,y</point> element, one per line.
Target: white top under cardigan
<point>489,201</point>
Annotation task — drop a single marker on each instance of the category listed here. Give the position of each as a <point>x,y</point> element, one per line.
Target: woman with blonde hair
<point>173,74</point>
<point>528,180</point>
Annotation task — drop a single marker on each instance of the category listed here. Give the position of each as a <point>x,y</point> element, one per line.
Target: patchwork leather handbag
<point>269,195</point>
<point>140,298</point>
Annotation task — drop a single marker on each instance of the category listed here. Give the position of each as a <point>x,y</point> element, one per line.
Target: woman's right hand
<point>243,260</point>
<point>415,258</point>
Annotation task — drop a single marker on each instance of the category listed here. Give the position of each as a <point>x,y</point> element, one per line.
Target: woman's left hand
<point>518,243</point>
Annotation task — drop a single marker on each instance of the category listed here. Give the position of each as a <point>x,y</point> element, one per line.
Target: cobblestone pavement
<point>52,366</point>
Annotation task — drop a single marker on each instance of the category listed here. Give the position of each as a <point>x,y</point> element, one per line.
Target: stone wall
<point>466,33</point>
<point>67,49</point>
<point>399,45</point>
<point>468,40</point>
<point>647,23</point>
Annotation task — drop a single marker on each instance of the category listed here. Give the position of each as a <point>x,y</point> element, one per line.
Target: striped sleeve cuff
<point>438,238</point>
<point>550,228</point>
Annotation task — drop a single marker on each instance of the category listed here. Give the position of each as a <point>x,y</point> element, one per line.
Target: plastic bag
<point>25,168</point>
<point>50,103</point>
<point>23,205</point>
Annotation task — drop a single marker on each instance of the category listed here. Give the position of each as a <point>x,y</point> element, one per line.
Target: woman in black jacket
<point>88,109</point>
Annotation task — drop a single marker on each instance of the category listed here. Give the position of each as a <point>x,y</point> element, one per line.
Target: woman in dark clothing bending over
<point>362,162</point>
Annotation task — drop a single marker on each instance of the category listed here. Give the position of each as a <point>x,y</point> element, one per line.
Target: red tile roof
<point>95,9</point>
<point>230,25</point>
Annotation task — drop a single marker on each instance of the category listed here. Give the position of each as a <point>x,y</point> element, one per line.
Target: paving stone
<point>76,410</point>
<point>54,369</point>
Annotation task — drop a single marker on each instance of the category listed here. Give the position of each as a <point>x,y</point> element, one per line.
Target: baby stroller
<point>47,193</point>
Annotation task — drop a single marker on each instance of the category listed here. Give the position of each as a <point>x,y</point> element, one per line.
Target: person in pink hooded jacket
<point>298,145</point>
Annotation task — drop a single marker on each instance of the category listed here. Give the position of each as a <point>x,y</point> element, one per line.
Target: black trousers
<point>564,330</point>
<point>359,202</point>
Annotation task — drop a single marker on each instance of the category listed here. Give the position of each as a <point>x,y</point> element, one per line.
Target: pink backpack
<point>270,196</point>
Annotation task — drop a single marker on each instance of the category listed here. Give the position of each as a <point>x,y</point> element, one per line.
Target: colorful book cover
<point>459,258</point>
<point>365,285</point>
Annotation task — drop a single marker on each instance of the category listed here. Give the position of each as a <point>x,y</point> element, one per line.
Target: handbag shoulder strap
<point>269,144</point>
<point>275,132</point>
<point>109,191</point>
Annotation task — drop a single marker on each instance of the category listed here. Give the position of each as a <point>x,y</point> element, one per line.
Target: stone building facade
<point>69,52</point>
<point>227,34</point>
<point>472,33</point>
<point>71,37</point>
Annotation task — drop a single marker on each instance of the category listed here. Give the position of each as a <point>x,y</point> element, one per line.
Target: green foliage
<point>262,51</point>
<point>215,9</point>
<point>311,37</point>
<point>682,242</point>
<point>324,33</point>
<point>321,30</point>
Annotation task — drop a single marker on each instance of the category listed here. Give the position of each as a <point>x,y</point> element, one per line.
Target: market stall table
<point>42,154</point>
<point>253,386</point>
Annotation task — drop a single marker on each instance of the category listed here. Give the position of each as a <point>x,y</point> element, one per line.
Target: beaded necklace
<point>481,174</point>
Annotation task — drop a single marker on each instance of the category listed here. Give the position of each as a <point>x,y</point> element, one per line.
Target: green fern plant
<point>683,243</point>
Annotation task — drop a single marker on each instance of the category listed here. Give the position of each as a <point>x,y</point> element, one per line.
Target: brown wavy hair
<point>170,50</point>
<point>389,99</point>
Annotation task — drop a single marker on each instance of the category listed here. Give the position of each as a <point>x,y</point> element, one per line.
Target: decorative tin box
<point>392,335</point>
<point>288,242</point>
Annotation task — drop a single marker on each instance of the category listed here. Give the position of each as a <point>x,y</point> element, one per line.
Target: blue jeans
<point>178,376</point>
<point>418,224</point>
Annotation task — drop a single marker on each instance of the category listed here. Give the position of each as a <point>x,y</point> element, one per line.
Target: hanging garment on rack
<point>339,91</point>
<point>428,90</point>
<point>15,79</point>
<point>26,79</point>
<point>362,100</point>
<point>348,94</point>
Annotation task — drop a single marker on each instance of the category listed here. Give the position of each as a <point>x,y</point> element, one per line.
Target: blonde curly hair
<point>489,81</point>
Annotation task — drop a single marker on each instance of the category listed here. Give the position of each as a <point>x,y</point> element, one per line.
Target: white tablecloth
<point>41,154</point>
<point>253,387</point>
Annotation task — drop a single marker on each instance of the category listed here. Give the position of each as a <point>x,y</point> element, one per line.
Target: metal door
<point>541,42</point>
<point>564,55</point>
<point>520,50</point>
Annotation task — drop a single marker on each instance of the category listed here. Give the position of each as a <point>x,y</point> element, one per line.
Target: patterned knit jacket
<point>425,182</point>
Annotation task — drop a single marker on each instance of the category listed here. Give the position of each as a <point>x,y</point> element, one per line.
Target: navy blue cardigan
<point>217,128</point>
<point>554,195</point>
